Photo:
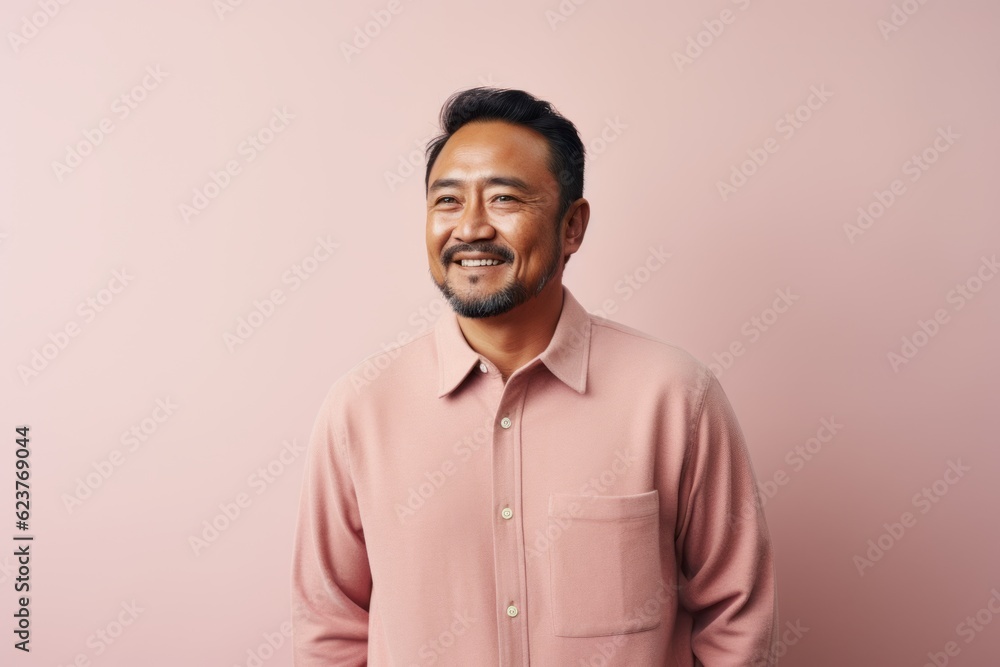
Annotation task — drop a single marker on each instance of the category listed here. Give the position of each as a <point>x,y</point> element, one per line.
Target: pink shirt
<point>598,508</point>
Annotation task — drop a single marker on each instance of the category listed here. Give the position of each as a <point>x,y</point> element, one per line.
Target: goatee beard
<point>497,303</point>
<point>504,300</point>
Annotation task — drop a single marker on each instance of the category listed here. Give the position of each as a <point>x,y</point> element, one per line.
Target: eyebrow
<point>508,181</point>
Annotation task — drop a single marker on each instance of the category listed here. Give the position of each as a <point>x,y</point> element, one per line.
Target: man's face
<point>491,195</point>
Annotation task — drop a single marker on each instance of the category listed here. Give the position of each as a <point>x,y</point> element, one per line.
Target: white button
<point>512,611</point>
<point>505,422</point>
<point>483,367</point>
<point>507,513</point>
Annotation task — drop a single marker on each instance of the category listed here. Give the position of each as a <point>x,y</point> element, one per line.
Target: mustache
<point>484,248</point>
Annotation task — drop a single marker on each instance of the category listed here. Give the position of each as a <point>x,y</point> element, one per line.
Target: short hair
<point>566,151</point>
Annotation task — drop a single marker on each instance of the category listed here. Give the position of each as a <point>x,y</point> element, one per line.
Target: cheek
<point>437,232</point>
<point>538,252</point>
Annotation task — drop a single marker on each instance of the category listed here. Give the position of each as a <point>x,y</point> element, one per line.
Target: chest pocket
<point>604,567</point>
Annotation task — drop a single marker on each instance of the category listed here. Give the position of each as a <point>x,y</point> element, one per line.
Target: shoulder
<point>656,359</point>
<point>638,347</point>
<point>385,375</point>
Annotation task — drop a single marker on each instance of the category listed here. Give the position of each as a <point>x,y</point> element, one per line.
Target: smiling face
<point>493,241</point>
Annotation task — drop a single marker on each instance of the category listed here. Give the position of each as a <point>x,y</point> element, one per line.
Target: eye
<point>442,199</point>
<point>509,197</point>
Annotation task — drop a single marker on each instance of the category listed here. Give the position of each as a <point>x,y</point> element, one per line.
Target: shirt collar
<point>566,355</point>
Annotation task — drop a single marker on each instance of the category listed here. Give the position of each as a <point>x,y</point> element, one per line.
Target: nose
<point>475,222</point>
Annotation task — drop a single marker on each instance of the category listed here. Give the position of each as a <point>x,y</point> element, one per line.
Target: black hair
<point>566,151</point>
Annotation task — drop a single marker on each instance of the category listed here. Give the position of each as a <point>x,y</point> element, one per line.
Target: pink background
<point>671,132</point>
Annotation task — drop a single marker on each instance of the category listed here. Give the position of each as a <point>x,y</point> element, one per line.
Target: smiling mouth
<point>477,263</point>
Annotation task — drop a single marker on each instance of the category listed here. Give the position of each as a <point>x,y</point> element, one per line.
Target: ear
<point>576,219</point>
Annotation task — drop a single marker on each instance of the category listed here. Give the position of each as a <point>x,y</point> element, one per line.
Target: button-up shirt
<point>597,508</point>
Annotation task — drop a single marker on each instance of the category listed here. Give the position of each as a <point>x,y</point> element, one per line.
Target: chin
<point>496,302</point>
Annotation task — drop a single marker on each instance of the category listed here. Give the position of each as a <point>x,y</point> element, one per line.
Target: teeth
<point>480,262</point>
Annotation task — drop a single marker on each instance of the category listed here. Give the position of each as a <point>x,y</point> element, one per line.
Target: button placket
<point>508,540</point>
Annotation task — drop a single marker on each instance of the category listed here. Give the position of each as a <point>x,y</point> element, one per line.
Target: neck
<point>516,337</point>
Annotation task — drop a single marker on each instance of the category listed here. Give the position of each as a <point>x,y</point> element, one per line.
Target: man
<point>526,483</point>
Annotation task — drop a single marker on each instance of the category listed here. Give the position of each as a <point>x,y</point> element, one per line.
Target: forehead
<point>483,145</point>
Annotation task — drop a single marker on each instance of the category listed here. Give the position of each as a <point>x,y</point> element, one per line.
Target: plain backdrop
<point>171,175</point>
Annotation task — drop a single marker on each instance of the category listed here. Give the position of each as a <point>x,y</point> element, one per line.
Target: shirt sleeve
<point>331,578</point>
<point>727,579</point>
